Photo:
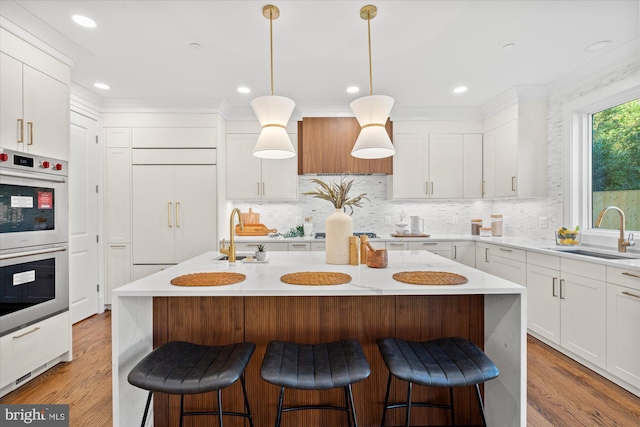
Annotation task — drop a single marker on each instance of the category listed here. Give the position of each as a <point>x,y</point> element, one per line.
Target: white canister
<point>308,227</point>
<point>417,225</point>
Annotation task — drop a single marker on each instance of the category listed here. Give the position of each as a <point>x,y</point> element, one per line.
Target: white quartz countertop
<point>263,279</point>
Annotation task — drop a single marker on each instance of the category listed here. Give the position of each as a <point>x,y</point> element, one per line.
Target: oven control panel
<point>26,162</point>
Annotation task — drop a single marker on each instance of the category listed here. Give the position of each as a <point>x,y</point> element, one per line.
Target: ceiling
<point>421,50</point>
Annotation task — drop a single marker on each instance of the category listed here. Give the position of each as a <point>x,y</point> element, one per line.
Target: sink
<point>226,258</point>
<point>595,254</point>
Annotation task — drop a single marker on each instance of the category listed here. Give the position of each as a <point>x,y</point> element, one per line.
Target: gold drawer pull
<point>21,123</point>
<point>30,127</point>
<point>631,295</point>
<point>632,275</point>
<point>37,328</point>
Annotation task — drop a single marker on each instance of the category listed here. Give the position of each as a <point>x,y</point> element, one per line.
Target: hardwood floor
<point>561,392</point>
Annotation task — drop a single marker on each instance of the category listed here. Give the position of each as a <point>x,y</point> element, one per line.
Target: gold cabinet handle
<point>177,215</point>
<point>483,188</point>
<point>513,183</point>
<point>21,130</point>
<point>258,188</point>
<point>426,187</point>
<point>505,250</point>
<point>486,254</point>
<point>631,295</point>
<point>169,214</point>
<point>431,187</point>
<point>37,328</point>
<point>632,275</point>
<point>263,193</point>
<point>455,252</point>
<point>553,286</point>
<point>30,129</point>
<point>561,288</point>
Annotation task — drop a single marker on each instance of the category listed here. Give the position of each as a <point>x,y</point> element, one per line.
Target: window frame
<point>577,152</point>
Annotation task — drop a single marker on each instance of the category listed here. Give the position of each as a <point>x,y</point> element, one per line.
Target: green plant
<point>337,193</point>
<point>260,248</point>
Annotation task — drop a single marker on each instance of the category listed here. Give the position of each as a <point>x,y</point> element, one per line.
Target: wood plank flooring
<point>561,392</point>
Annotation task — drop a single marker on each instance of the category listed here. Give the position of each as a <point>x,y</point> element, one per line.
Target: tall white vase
<point>339,227</point>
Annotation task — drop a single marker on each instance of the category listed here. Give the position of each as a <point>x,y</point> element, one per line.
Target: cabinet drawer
<point>429,246</point>
<point>543,260</point>
<point>28,349</point>
<point>445,254</point>
<point>174,137</point>
<point>299,246</point>
<point>318,246</point>
<point>624,276</point>
<point>509,253</point>
<point>584,269</point>
<point>396,246</point>
<point>268,246</point>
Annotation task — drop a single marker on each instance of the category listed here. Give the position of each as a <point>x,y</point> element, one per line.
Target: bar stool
<point>184,368</point>
<point>447,362</point>
<point>315,367</point>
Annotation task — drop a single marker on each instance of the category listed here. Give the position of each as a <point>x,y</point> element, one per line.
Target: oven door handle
<point>36,252</point>
<point>29,176</point>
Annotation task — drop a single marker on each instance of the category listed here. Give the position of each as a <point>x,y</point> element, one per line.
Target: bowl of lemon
<point>568,237</point>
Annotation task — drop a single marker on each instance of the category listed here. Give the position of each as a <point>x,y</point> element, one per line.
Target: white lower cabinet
<point>439,248</point>
<point>252,246</point>
<point>318,246</point>
<point>509,269</point>
<point>543,302</point>
<point>295,247</point>
<point>395,246</point>
<point>144,270</point>
<point>483,262</point>
<point>29,349</point>
<point>464,253</point>
<point>118,268</point>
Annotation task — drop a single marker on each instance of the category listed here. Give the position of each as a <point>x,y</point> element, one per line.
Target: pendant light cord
<point>271,46</point>
<point>369,39</point>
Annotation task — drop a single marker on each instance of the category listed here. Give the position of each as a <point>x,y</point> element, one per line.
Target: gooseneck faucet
<point>231,251</point>
<point>622,244</point>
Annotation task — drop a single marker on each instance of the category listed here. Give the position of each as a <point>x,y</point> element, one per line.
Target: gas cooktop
<point>355,233</point>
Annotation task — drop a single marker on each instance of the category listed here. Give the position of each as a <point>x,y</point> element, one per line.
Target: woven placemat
<point>316,278</point>
<point>430,278</point>
<point>208,279</point>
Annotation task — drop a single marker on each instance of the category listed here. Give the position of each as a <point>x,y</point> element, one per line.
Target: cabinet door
<point>445,166</point>
<point>506,159</point>
<point>153,214</point>
<point>410,173</point>
<point>396,246</point>
<point>623,339</point>
<point>472,166</point>
<point>10,103</point>
<point>489,164</point>
<point>482,257</point>
<point>508,269</point>
<point>280,177</point>
<point>46,106</point>
<point>464,253</point>
<point>244,174</point>
<point>118,268</point>
<point>299,247</point>
<point>583,319</point>
<point>194,210</point>
<point>543,302</point>
<point>118,195</point>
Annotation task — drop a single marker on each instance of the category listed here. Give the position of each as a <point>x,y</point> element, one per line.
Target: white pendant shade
<point>273,113</point>
<point>372,113</point>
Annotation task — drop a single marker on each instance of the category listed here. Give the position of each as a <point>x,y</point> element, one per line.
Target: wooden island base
<point>313,319</point>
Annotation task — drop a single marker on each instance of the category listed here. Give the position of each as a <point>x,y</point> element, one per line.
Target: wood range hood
<point>325,143</point>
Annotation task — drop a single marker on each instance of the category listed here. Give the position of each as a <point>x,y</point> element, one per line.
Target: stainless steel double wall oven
<point>34,239</point>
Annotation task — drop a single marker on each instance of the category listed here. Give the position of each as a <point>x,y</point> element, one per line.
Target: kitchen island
<point>487,310</point>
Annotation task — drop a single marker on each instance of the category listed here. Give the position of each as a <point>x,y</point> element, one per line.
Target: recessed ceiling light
<point>196,46</point>
<point>84,21</point>
<point>244,89</point>
<point>102,86</point>
<point>353,89</point>
<point>509,46</point>
<point>598,45</point>
<point>460,89</point>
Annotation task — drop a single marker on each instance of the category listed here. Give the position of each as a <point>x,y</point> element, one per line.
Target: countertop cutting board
<point>254,230</point>
<point>250,218</point>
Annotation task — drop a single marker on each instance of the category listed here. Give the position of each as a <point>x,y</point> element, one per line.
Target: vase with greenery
<point>339,225</point>
<point>260,253</point>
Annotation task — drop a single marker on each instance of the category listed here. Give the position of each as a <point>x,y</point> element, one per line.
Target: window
<point>615,164</point>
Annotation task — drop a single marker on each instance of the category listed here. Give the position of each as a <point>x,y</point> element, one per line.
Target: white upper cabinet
<point>515,151</point>
<point>34,106</point>
<point>437,166</point>
<point>252,178</point>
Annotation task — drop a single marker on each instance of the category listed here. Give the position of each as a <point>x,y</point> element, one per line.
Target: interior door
<point>83,218</point>
<point>153,214</point>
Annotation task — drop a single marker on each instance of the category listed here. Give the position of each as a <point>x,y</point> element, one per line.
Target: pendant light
<point>372,111</point>
<point>273,112</point>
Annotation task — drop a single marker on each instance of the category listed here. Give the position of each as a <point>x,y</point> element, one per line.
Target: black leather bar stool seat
<point>447,362</point>
<point>184,368</point>
<point>315,367</point>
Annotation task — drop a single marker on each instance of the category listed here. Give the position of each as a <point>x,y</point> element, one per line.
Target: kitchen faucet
<point>622,244</point>
<point>231,251</point>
